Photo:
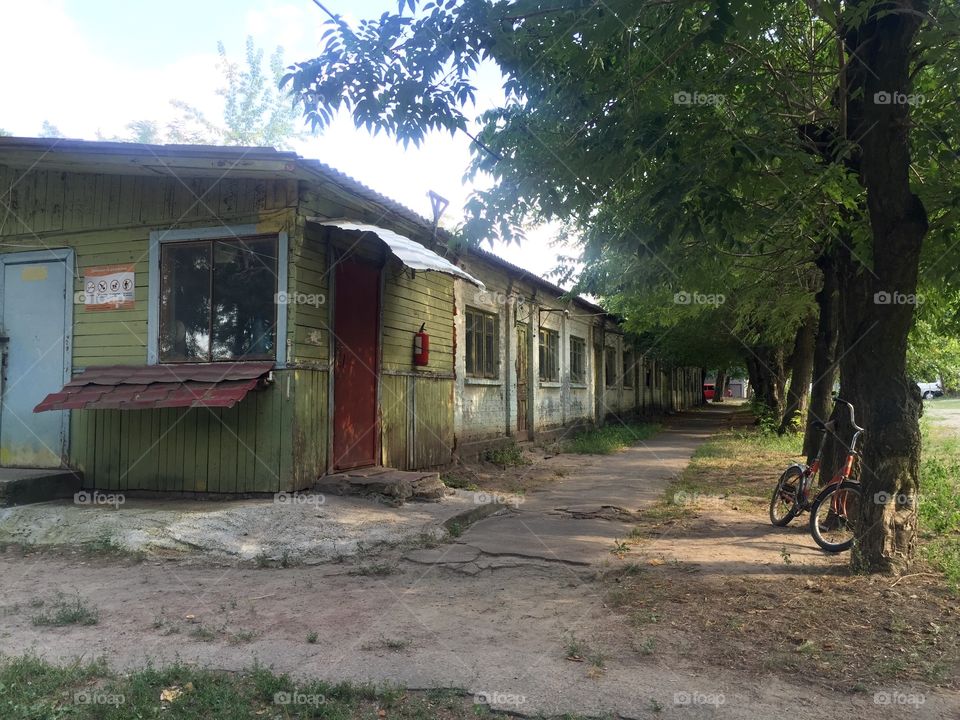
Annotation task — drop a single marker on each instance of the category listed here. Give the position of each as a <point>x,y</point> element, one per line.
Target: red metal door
<point>355,324</point>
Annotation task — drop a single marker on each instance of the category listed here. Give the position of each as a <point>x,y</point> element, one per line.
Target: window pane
<point>185,302</point>
<point>471,365</point>
<point>489,354</point>
<point>244,307</point>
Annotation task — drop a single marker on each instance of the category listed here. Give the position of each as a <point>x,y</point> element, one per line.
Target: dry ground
<point>700,599</point>
<point>708,578</point>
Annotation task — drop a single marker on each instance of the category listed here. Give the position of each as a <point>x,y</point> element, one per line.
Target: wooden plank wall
<point>416,421</point>
<point>416,404</point>
<point>243,449</point>
<point>107,220</point>
<point>309,431</point>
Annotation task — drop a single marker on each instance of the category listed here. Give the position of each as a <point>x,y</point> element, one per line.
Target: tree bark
<point>824,355</point>
<point>766,367</point>
<point>718,384</point>
<point>801,370</point>
<point>878,303</point>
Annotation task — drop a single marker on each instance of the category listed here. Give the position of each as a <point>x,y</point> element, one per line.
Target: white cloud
<point>54,72</point>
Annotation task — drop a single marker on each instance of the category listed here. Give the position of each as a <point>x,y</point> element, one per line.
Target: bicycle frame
<point>809,472</point>
<point>839,503</point>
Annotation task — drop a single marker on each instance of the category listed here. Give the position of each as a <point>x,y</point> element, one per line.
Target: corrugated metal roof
<point>138,387</point>
<point>409,252</point>
<point>240,161</point>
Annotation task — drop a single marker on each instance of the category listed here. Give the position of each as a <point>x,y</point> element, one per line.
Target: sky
<point>90,66</point>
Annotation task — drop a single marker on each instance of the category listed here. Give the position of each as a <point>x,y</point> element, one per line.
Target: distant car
<point>930,390</point>
<point>708,391</point>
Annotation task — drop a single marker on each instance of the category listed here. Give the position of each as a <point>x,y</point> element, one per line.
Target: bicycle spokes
<point>837,518</point>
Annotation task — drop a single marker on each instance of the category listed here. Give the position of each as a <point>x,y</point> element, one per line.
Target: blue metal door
<point>36,347</point>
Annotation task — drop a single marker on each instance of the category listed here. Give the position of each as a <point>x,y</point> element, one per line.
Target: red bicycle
<point>836,507</point>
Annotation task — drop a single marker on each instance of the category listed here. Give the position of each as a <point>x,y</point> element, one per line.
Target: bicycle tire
<point>826,495</point>
<point>794,472</point>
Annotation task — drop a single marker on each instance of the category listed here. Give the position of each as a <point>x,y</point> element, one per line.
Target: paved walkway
<point>577,520</point>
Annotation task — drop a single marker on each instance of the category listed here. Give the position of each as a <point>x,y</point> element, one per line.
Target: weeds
<point>376,569</point>
<point>32,688</point>
<point>67,611</point>
<point>610,438</point>
<point>506,456</point>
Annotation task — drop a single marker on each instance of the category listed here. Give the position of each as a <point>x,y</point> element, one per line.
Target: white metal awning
<point>412,254</point>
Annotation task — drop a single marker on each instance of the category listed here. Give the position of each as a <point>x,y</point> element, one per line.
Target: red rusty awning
<point>139,387</point>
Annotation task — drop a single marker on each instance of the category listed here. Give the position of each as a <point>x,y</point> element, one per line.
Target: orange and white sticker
<point>109,287</point>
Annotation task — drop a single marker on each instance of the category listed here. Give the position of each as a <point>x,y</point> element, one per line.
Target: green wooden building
<point>231,320</point>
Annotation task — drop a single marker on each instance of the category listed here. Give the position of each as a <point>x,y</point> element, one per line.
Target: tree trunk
<point>878,304</point>
<point>766,367</point>
<point>718,384</point>
<point>824,355</point>
<point>703,392</point>
<point>801,369</point>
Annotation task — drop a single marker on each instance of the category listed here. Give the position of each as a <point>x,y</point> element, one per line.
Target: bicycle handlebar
<point>853,421</point>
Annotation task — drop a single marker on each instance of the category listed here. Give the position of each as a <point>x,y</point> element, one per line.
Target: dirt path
<point>496,612</point>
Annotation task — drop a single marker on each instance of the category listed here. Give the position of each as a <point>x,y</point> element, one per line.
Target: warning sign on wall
<point>109,287</point>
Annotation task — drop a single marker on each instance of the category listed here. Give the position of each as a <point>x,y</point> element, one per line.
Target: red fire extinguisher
<point>421,347</point>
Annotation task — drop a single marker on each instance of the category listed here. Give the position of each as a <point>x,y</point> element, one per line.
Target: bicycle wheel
<point>834,515</point>
<point>783,505</point>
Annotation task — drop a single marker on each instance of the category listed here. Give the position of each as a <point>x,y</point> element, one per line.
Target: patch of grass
<point>609,438</point>
<point>619,548</point>
<point>509,455</point>
<point>574,648</point>
<point>385,643</point>
<point>376,569</point>
<point>241,637</point>
<point>31,689</point>
<point>204,633</point>
<point>63,610</point>
<point>459,482</point>
<point>313,637</point>
<point>106,544</point>
<point>939,507</point>
<point>647,646</point>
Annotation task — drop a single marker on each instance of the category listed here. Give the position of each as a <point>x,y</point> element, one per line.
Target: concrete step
<point>397,486</point>
<point>22,486</point>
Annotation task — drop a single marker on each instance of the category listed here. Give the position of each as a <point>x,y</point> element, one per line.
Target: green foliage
<point>49,130</point>
<point>610,438</point>
<point>939,508</point>
<point>256,112</point>
<point>509,455</point>
<point>934,347</point>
